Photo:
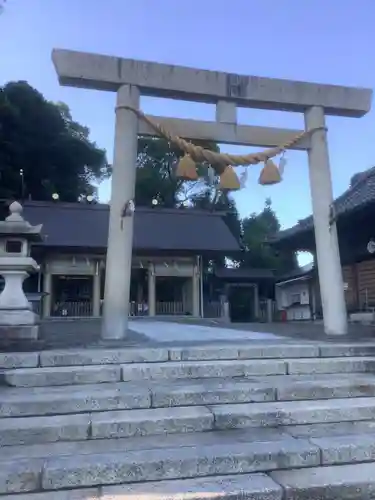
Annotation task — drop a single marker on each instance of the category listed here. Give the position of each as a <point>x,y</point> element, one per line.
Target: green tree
<point>155,178</point>
<point>43,150</point>
<point>257,229</point>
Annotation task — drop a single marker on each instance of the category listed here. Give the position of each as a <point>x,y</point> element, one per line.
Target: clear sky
<point>326,41</point>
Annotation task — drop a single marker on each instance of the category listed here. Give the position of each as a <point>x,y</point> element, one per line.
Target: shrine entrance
<point>131,78</point>
<point>241,303</point>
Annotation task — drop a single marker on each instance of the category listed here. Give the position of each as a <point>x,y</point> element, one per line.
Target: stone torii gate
<point>131,78</point>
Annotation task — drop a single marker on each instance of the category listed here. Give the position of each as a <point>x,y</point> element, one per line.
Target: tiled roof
<point>86,226</point>
<point>296,273</point>
<point>361,193</point>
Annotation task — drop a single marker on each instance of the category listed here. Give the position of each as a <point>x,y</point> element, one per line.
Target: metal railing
<point>170,308</point>
<point>263,315</point>
<point>84,309</point>
<point>212,309</point>
<point>138,309</point>
<point>76,309</point>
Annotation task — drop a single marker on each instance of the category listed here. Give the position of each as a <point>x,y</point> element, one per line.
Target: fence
<point>263,315</point>
<point>170,308</point>
<point>212,309</point>
<point>83,309</point>
<point>77,309</point>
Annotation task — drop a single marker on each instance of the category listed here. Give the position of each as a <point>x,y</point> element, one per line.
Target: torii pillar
<point>130,79</point>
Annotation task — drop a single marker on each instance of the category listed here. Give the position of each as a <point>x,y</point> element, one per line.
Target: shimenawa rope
<point>199,154</point>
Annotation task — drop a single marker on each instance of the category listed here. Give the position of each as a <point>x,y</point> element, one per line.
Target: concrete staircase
<point>260,421</point>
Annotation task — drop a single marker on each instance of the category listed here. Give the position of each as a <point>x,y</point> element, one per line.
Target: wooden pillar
<point>151,290</point>
<point>96,291</point>
<point>256,302</point>
<point>356,285</point>
<point>47,290</point>
<point>195,292</point>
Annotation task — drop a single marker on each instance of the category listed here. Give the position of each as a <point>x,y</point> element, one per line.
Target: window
<point>295,298</point>
<point>13,246</point>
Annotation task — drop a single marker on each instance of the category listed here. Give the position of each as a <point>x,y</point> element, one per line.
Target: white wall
<point>286,295</point>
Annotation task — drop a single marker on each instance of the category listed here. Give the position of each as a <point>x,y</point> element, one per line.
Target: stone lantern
<point>17,320</point>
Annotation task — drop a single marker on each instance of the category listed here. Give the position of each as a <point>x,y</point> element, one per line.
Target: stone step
<point>282,413</point>
<point>158,421</point>
<point>122,461</point>
<point>320,386</point>
<point>100,356</point>
<point>206,352</point>
<point>346,449</point>
<point>246,368</point>
<point>113,424</point>
<point>85,471</point>
<point>81,494</point>
<point>34,401</point>
<point>136,372</point>
<point>345,482</point>
<point>119,355</point>
<point>332,429</point>
<point>260,389</point>
<point>70,375</point>
<point>333,350</point>
<point>38,377</point>
<point>193,353</point>
<point>22,402</point>
<point>330,365</point>
<point>99,446</point>
<point>359,446</point>
<point>246,486</point>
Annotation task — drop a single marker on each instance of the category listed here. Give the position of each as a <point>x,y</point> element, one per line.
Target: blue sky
<point>311,40</point>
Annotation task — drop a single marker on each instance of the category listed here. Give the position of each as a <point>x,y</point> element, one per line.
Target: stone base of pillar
<point>19,332</point>
<point>14,317</point>
<point>19,324</point>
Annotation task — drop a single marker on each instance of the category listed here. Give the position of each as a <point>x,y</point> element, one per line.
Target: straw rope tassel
<point>269,174</point>
<point>187,169</point>
<point>229,179</point>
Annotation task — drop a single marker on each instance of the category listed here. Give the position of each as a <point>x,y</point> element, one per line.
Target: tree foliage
<point>40,141</point>
<point>257,229</point>
<point>156,180</point>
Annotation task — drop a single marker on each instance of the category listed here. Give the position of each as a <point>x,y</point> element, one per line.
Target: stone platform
<point>259,420</point>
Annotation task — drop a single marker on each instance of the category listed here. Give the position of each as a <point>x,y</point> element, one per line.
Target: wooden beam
<point>101,72</point>
<point>224,133</point>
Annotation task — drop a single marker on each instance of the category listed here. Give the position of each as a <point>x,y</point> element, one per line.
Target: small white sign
<point>346,286</point>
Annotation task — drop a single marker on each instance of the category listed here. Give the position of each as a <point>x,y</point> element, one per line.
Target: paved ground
<point>294,330</point>
<point>162,331</point>
<point>66,333</point>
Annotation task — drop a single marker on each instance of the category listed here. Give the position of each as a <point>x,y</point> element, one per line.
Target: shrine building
<point>354,212</point>
<point>168,252</point>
